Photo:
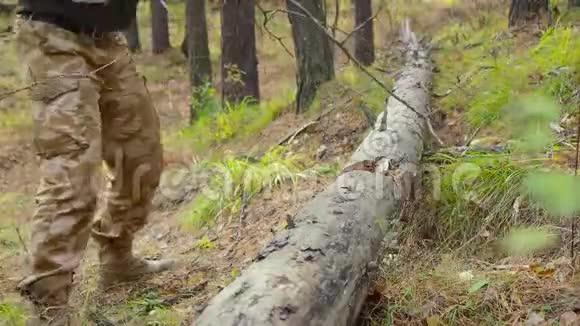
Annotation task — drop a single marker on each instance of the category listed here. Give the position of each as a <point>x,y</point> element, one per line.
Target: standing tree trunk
<point>364,47</point>
<point>239,63</point>
<point>132,35</point>
<point>198,52</point>
<point>159,27</point>
<point>573,3</point>
<point>523,11</point>
<point>314,59</point>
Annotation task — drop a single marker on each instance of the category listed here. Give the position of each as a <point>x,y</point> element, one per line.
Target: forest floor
<point>444,266</point>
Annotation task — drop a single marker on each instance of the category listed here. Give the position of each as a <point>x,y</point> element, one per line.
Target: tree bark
<point>314,57</point>
<point>523,11</point>
<point>198,51</point>
<point>132,35</point>
<point>319,271</point>
<point>573,3</point>
<point>364,47</point>
<point>159,27</point>
<point>239,63</point>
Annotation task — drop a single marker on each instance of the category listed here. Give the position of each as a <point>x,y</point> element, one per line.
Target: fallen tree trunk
<point>319,271</point>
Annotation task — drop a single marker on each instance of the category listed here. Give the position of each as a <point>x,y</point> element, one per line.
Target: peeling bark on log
<point>319,271</point>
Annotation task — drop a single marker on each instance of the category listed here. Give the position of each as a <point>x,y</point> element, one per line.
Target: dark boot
<point>118,265</point>
<point>49,299</point>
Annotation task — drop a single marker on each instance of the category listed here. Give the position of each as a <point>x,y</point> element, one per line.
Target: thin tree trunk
<point>573,3</point>
<point>239,63</point>
<point>132,35</point>
<point>364,47</point>
<point>159,27</point>
<point>314,57</point>
<point>183,46</point>
<point>198,51</point>
<point>523,11</point>
<point>319,270</point>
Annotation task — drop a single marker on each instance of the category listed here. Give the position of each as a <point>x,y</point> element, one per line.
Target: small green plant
<point>203,101</point>
<point>233,74</point>
<point>205,243</point>
<point>12,314</point>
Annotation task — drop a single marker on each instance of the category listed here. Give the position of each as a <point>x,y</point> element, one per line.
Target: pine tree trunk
<point>132,35</point>
<point>239,62</point>
<point>523,11</point>
<point>159,27</point>
<point>364,37</point>
<point>314,58</point>
<point>197,49</point>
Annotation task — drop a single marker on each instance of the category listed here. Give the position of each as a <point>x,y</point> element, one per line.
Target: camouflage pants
<point>90,105</point>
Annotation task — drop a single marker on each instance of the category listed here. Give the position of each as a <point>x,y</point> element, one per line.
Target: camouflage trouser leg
<point>89,104</point>
<point>131,143</point>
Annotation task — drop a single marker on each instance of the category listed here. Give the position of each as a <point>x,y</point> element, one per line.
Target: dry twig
<point>21,240</point>
<point>242,216</point>
<point>268,16</point>
<point>90,74</point>
<point>289,137</point>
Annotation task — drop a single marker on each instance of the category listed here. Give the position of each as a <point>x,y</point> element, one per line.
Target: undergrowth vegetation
<point>484,66</point>
<point>236,180</point>
<point>216,125</point>
<point>12,314</point>
<point>507,84</point>
<point>452,291</point>
<point>492,228</point>
<point>471,196</point>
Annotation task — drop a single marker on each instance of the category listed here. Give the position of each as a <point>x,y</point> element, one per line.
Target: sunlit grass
<point>485,69</point>
<point>234,121</point>
<point>233,177</point>
<point>12,313</point>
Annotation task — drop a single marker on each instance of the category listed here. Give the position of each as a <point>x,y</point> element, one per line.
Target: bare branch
<point>21,240</point>
<point>268,16</point>
<point>51,78</point>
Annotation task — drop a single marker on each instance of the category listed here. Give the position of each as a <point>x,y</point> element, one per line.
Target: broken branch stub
<point>319,271</point>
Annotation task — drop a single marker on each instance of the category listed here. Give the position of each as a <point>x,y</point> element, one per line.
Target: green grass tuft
<point>12,314</point>
<point>232,177</point>
<point>471,196</point>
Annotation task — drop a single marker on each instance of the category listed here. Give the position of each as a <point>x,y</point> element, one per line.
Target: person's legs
<point>67,140</point>
<point>133,153</point>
